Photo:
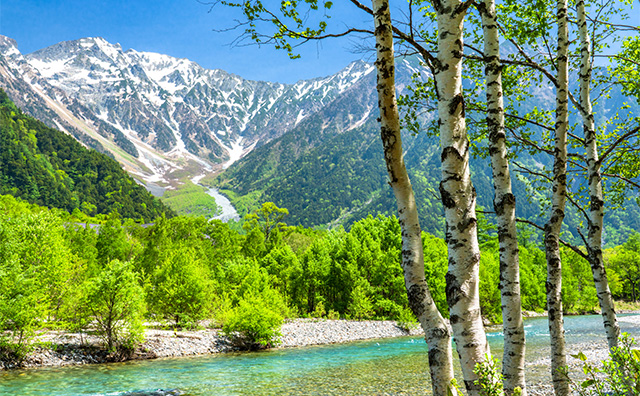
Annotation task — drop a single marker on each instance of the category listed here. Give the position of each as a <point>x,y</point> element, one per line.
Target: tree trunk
<point>420,300</point>
<point>458,195</point>
<point>504,204</point>
<point>558,200</point>
<point>596,209</point>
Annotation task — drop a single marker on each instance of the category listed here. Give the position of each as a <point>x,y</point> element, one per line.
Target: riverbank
<point>70,349</point>
<point>64,349</point>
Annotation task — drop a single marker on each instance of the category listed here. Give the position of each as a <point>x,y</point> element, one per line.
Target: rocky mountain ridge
<point>160,115</point>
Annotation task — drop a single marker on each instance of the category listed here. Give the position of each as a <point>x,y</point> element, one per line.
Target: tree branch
<point>617,142</point>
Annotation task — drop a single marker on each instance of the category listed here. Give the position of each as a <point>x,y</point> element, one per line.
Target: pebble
<point>77,349</point>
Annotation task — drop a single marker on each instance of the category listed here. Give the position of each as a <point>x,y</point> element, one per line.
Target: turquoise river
<point>391,366</point>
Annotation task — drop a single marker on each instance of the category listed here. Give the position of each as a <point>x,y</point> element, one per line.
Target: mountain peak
<point>8,46</point>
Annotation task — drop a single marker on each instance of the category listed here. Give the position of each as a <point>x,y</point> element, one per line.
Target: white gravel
<point>76,349</point>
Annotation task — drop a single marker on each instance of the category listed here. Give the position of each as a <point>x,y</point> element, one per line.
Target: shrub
<point>116,301</point>
<point>20,311</point>
<point>619,376</point>
<point>333,315</point>
<point>253,324</point>
<point>407,320</point>
<point>180,288</point>
<point>361,306</point>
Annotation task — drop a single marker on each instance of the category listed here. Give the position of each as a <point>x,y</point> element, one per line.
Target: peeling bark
<point>558,200</point>
<point>436,331</point>
<point>596,209</point>
<point>458,195</point>
<point>504,204</point>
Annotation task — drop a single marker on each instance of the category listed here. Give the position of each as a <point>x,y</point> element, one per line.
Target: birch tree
<point>596,209</point>
<point>436,332</point>
<point>594,214</point>
<point>554,224</point>
<point>504,206</point>
<point>458,194</point>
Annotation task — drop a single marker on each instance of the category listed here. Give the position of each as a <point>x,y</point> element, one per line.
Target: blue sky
<point>180,28</point>
<point>184,29</point>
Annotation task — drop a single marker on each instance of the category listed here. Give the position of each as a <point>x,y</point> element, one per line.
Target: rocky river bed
<point>63,349</point>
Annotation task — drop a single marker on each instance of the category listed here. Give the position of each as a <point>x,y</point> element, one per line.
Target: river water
<point>228,212</point>
<point>391,366</point>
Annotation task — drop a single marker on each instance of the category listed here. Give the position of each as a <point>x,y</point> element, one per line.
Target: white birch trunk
<point>458,195</point>
<point>558,200</point>
<point>504,204</point>
<point>596,209</point>
<point>436,331</point>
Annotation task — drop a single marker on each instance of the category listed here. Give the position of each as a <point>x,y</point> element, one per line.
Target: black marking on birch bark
<point>416,295</point>
<point>596,203</point>
<point>437,333</point>
<point>447,199</point>
<point>444,34</point>
<point>434,357</point>
<point>466,224</point>
<point>450,151</point>
<point>506,201</point>
<point>471,386</point>
<point>437,5</point>
<point>456,101</point>
<point>453,291</point>
<point>595,176</point>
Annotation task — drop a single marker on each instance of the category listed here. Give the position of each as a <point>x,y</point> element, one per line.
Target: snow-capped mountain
<point>157,114</point>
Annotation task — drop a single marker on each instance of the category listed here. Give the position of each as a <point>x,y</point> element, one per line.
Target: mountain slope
<point>48,167</point>
<point>168,114</point>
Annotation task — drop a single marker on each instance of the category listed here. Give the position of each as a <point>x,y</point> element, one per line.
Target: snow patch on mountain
<point>170,110</point>
<point>235,152</point>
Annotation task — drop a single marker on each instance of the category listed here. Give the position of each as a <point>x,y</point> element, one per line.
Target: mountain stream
<point>386,366</point>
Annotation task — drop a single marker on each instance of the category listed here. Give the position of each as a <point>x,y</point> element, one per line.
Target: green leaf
<point>587,383</point>
<point>580,356</point>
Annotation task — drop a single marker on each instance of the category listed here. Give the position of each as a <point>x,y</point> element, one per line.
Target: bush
<point>180,288</point>
<point>116,301</point>
<point>619,376</point>
<point>252,324</point>
<point>407,320</point>
<point>361,306</point>
<point>490,378</point>
<point>20,311</point>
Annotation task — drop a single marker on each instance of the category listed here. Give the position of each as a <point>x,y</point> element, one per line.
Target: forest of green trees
<point>59,273</point>
<point>45,166</point>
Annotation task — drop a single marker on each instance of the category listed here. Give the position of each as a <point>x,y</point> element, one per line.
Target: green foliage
<point>578,290</point>
<point>618,376</point>
<point>191,199</point>
<point>267,219</point>
<point>489,285</point>
<point>436,264</point>
<point>285,23</point>
<point>489,377</point>
<point>533,275</point>
<point>360,306</point>
<point>115,300</point>
<point>179,288</point>
<point>253,324</point>
<point>57,274</point>
<point>626,66</point>
<point>20,310</point>
<point>50,168</point>
<point>623,268</point>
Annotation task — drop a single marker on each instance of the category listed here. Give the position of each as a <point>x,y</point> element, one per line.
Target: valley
<point>312,147</point>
